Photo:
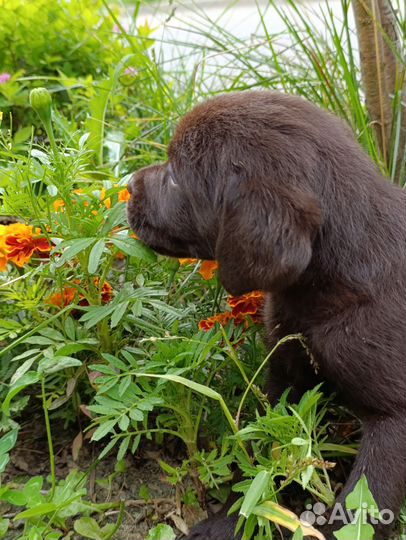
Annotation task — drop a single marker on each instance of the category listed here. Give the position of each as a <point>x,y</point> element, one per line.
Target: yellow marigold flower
<point>106,202</point>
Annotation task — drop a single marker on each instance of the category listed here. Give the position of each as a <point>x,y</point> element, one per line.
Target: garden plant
<point>111,355</point>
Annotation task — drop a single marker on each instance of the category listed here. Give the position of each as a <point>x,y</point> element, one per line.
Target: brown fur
<point>281,194</point>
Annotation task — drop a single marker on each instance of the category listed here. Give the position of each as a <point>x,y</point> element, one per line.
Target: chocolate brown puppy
<point>280,193</point>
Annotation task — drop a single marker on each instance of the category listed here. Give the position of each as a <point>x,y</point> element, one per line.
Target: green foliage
<point>361,500</point>
<point>49,38</point>
<point>161,532</point>
<point>44,516</point>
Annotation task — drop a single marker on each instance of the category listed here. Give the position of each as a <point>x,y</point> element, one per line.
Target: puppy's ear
<point>265,235</point>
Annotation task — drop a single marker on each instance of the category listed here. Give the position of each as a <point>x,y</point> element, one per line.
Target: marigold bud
<point>41,102</point>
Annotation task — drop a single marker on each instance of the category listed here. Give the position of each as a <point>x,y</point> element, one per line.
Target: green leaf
<point>88,528</point>
<point>107,370</point>
<point>123,448</point>
<point>118,313</point>
<point>134,248</point>
<point>22,135</point>
<point>103,429</point>
<point>107,448</point>
<point>23,369</point>
<point>136,414</point>
<point>8,441</point>
<point>361,494</point>
<point>94,256</point>
<point>124,422</point>
<point>124,384</point>
<point>256,490</point>
<point>30,352</point>
<point>115,216</point>
<point>114,361</point>
<point>39,510</point>
<point>29,378</point>
<point>57,363</point>
<point>32,491</point>
<point>337,449</point>
<point>70,328</point>
<point>307,475</point>
<point>74,247</point>
<point>197,387</point>
<point>70,348</point>
<point>4,459</point>
<point>4,524</point>
<point>161,532</point>
<point>355,531</point>
<point>51,333</point>
<point>298,441</point>
<point>361,500</point>
<point>39,340</point>
<point>298,535</point>
<point>15,497</point>
<point>95,314</point>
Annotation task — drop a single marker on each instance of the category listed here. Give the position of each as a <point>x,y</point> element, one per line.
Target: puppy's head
<point>236,188</point>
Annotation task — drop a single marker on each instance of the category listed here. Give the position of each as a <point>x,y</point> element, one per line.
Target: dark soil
<point>140,482</point>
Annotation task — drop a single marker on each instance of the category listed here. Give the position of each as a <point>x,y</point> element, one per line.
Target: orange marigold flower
<point>3,254</point>
<point>21,242</point>
<point>58,205</point>
<point>64,298</point>
<point>221,318</point>
<point>3,261</point>
<point>69,293</point>
<point>106,292</point>
<point>124,195</point>
<point>247,304</point>
<point>208,269</point>
<point>184,262</point>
